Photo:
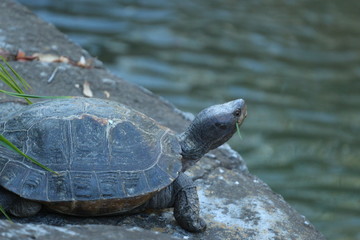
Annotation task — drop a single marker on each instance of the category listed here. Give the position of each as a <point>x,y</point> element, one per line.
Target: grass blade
<point>19,78</point>
<point>7,79</point>
<point>5,214</point>
<point>23,95</point>
<point>9,145</point>
<point>238,130</point>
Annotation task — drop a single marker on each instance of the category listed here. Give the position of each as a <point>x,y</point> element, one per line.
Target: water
<point>296,62</point>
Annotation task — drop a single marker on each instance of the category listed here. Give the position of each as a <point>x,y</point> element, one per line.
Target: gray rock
<point>14,231</point>
<point>236,204</point>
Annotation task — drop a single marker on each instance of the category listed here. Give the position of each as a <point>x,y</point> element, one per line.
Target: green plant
<point>9,80</point>
<point>238,130</point>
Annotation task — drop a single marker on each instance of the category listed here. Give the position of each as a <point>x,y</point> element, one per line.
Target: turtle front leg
<point>182,196</point>
<point>16,205</point>
<point>186,205</point>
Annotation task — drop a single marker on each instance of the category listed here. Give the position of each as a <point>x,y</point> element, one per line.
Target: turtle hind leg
<point>186,205</point>
<point>24,208</point>
<point>16,205</point>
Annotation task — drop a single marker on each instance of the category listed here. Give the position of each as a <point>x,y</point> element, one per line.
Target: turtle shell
<point>109,157</point>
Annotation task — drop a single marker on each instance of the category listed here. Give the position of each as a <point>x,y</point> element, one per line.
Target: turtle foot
<point>199,225</point>
<point>24,208</point>
<point>186,205</point>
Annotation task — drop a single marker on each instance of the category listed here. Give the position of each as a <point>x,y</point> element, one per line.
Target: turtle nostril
<point>221,125</point>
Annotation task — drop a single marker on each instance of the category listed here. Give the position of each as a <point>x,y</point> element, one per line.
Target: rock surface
<point>236,204</point>
<point>80,232</point>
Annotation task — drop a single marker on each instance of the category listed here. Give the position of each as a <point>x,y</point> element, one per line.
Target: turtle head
<point>211,128</point>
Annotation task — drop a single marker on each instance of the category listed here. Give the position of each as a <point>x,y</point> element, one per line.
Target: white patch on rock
<point>29,229</point>
<point>43,74</point>
<point>109,82</point>
<point>210,155</point>
<point>66,231</point>
<point>253,213</point>
<point>233,153</point>
<point>135,229</point>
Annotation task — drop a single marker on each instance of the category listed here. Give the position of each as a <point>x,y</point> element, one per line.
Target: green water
<point>295,62</point>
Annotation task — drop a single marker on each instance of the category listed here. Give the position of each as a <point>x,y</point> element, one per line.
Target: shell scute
<point>134,183</point>
<point>59,187</point>
<point>17,138</point>
<point>10,175</point>
<point>48,141</point>
<point>34,185</point>
<point>84,185</point>
<point>157,178</point>
<point>89,144</point>
<point>110,185</point>
<point>132,149</point>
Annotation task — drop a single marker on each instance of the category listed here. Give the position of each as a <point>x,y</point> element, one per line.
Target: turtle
<point>108,157</point>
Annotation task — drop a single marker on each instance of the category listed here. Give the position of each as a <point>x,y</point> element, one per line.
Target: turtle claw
<point>195,226</point>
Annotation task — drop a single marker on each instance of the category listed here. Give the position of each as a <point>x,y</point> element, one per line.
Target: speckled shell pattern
<point>109,157</point>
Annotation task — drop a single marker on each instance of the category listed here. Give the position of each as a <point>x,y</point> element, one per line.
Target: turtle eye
<point>237,113</point>
<point>221,125</point>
